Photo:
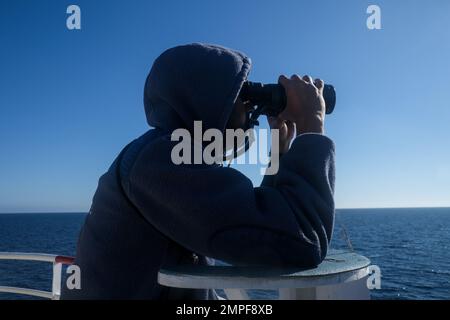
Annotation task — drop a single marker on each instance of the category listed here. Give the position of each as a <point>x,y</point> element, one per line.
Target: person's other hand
<point>286,132</point>
<point>305,105</point>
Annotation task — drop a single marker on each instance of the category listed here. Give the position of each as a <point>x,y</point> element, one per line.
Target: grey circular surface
<point>338,267</point>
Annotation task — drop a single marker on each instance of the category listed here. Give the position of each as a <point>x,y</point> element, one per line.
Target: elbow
<point>244,247</point>
<point>307,257</point>
<point>294,253</point>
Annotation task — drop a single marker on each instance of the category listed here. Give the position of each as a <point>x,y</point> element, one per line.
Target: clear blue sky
<point>70,100</point>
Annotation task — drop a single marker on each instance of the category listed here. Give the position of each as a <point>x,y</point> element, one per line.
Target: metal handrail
<point>214,277</point>
<point>57,261</point>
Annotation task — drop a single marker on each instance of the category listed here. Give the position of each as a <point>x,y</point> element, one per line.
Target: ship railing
<point>342,275</point>
<point>56,260</point>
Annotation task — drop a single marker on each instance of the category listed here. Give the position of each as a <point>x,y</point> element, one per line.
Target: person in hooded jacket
<point>149,213</point>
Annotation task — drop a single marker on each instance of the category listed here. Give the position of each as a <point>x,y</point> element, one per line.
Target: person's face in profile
<point>237,120</point>
<point>239,114</point>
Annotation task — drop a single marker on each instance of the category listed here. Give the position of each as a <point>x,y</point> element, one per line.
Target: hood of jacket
<point>194,82</point>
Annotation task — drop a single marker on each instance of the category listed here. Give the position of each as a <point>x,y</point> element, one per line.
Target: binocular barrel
<point>272,97</point>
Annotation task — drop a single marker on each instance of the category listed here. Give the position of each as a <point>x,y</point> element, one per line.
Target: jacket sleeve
<point>269,180</point>
<point>216,211</point>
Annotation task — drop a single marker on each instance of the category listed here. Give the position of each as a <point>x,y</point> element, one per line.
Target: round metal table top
<point>338,267</point>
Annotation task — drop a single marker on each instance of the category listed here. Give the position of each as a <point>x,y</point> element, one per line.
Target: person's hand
<point>286,132</point>
<point>305,105</point>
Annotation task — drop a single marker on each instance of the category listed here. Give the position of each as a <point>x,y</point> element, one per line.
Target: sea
<point>411,246</point>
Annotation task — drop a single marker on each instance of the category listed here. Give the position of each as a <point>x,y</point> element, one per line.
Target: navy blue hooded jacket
<point>148,213</point>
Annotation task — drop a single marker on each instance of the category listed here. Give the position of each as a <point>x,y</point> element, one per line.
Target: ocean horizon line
<point>337,209</point>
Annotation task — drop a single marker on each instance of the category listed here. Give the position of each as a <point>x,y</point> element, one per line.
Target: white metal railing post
<point>56,280</point>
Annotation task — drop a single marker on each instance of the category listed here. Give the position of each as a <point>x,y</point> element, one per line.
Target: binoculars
<point>271,98</point>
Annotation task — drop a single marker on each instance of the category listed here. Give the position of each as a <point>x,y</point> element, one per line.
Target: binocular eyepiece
<point>271,98</point>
